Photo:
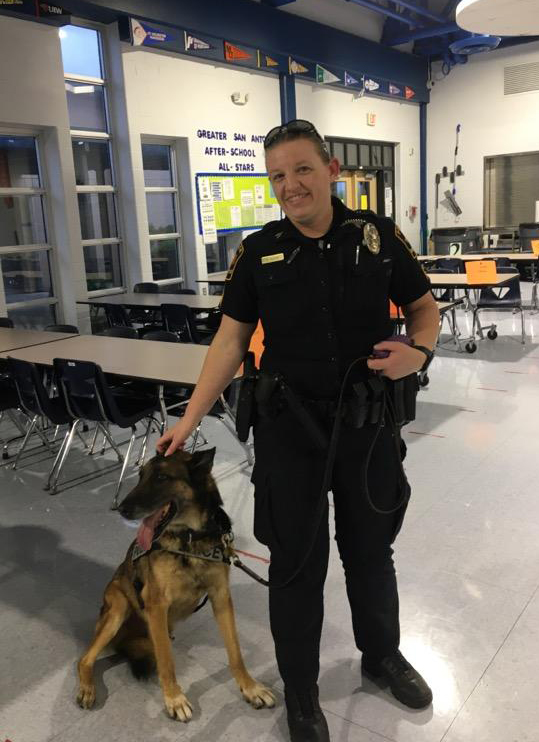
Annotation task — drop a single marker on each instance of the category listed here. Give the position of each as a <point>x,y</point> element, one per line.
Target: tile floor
<point>467,559</point>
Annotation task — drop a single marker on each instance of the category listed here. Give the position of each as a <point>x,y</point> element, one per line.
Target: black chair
<point>62,328</point>
<point>178,318</point>
<point>35,401</point>
<point>163,336</point>
<point>450,265</point>
<point>6,322</point>
<point>208,326</point>
<point>528,232</point>
<point>503,263</point>
<point>173,290</point>
<point>143,316</point>
<point>88,396</point>
<point>441,294</point>
<point>146,288</point>
<point>9,404</point>
<point>500,299</point>
<point>117,315</point>
<point>120,332</point>
<point>171,396</point>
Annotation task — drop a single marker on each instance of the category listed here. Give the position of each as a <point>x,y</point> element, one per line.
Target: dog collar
<point>187,537</point>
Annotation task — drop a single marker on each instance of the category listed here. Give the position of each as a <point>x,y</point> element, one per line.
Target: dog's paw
<point>178,707</point>
<point>86,696</point>
<point>258,695</point>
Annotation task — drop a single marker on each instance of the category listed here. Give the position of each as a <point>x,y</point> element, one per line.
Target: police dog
<point>155,587</point>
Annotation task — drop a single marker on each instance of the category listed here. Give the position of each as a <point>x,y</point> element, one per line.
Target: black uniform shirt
<point>322,302</point>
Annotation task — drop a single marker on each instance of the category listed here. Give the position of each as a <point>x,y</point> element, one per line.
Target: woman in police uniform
<point>320,280</point>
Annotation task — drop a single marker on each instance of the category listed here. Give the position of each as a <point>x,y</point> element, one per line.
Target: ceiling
<point>427,28</point>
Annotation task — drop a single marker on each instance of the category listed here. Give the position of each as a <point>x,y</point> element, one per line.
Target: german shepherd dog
<point>155,587</point>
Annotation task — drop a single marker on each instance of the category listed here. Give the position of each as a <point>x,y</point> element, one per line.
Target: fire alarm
<point>371,119</point>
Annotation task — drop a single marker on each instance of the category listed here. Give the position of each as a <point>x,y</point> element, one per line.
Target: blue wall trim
<point>287,89</point>
<point>423,177</point>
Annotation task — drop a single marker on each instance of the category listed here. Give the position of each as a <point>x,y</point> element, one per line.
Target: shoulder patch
<point>233,264</point>
<point>399,235</point>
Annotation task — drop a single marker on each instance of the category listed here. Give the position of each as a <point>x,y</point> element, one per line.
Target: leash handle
<point>236,561</point>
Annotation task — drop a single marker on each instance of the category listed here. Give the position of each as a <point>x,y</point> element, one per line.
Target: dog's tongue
<point>147,528</point>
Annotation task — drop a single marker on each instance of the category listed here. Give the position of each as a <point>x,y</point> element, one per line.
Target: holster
<point>246,408</point>
<point>366,403</point>
<point>402,397</point>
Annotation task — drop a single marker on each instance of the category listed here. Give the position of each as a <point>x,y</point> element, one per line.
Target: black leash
<point>326,480</point>
<point>227,538</point>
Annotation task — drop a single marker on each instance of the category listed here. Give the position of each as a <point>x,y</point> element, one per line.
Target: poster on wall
<point>228,203</point>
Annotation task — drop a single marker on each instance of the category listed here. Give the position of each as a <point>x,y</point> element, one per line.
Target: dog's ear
<point>202,461</point>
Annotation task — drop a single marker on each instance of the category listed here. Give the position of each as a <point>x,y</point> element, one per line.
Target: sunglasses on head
<point>297,126</point>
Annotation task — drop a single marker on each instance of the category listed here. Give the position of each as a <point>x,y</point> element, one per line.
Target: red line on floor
<point>253,556</point>
<point>432,435</point>
<point>491,389</point>
<point>465,409</point>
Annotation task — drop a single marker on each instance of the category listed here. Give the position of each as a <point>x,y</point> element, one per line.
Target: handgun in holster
<point>272,393</point>
<point>246,409</point>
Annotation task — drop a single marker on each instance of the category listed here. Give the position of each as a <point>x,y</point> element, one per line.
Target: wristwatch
<point>428,353</point>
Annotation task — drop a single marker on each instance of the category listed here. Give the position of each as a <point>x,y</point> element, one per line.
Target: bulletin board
<point>243,201</point>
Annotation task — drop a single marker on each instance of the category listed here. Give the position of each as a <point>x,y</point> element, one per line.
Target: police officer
<point>320,281</point>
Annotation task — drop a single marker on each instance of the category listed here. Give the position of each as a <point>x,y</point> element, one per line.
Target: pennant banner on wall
<point>324,76</point>
<point>349,80</point>
<point>194,44</point>
<point>142,34</point>
<point>235,53</point>
<point>272,62</point>
<point>264,60</point>
<point>371,85</point>
<point>295,68</point>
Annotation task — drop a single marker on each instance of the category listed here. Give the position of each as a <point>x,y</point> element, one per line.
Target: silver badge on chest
<point>371,238</point>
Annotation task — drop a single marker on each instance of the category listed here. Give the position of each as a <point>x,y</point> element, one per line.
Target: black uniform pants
<point>288,475</point>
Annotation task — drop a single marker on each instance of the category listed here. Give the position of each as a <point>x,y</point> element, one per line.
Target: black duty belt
<point>375,401</point>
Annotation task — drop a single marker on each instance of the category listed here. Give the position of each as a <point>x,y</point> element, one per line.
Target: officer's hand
<point>402,360</point>
<point>173,439</point>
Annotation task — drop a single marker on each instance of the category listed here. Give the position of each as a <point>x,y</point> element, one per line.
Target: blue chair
<point>504,298</point>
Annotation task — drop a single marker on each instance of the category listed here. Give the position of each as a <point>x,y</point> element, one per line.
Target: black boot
<point>404,681</point>
<point>306,721</point>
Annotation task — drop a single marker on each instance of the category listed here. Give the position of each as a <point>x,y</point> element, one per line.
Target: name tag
<point>272,258</point>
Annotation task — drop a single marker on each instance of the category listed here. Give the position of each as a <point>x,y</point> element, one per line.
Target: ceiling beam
<point>423,33</point>
<point>449,8</point>
<point>276,3</point>
<point>421,11</point>
<point>385,11</point>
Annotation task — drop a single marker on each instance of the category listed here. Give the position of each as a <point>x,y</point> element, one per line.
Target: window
<point>25,254</point>
<point>217,255</point>
<point>161,188</point>
<point>511,185</point>
<point>86,92</point>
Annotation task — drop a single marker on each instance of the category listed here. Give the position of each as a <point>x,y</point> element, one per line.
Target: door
<point>365,192</point>
<point>357,190</point>
<point>343,188</point>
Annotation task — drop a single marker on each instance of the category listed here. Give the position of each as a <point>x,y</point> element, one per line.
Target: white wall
<point>336,113</point>
<point>172,97</point>
<point>33,100</point>
<point>492,124</point>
